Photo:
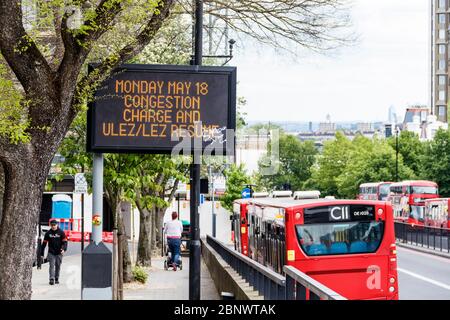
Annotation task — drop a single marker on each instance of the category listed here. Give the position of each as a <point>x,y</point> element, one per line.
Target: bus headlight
<point>392,280</point>
<point>391,289</point>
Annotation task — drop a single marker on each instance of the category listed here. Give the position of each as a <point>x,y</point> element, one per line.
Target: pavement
<point>70,281</point>
<point>161,284</point>
<point>170,285</point>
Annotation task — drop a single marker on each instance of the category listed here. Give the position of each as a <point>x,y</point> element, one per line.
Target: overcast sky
<point>387,66</point>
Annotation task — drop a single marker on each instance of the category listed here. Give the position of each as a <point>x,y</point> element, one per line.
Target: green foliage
<point>345,164</point>
<point>331,164</point>
<point>295,161</point>
<point>139,274</point>
<point>411,149</point>
<point>436,161</point>
<point>236,180</point>
<point>13,120</point>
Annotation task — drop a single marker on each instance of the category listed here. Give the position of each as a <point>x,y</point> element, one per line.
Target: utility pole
<point>96,270</point>
<point>396,153</point>
<point>214,216</point>
<point>194,243</point>
<point>97,197</point>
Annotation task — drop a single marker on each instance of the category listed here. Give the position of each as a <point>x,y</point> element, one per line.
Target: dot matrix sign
<point>143,107</point>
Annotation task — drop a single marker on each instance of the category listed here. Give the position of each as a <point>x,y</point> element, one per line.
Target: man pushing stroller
<point>173,230</point>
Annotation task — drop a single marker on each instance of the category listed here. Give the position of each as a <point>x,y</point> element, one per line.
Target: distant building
<point>392,117</point>
<point>420,121</point>
<point>250,148</point>
<point>319,138</point>
<point>328,126</point>
<point>421,112</point>
<point>364,127</point>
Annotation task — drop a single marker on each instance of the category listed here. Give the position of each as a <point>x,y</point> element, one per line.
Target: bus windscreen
<point>424,190</point>
<point>340,238</point>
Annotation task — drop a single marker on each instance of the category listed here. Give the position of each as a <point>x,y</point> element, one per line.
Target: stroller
<point>168,261</point>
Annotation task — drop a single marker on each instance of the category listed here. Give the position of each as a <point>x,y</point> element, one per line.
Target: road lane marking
<point>418,276</point>
<point>425,254</point>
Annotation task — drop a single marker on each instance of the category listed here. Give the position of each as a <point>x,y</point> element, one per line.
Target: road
<point>422,276</point>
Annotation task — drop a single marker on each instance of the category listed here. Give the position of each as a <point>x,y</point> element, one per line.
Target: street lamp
<point>397,132</point>
<point>228,57</point>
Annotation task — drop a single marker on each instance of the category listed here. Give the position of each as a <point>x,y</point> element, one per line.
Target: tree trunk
<point>2,188</point>
<point>159,225</point>
<point>127,274</point>
<point>24,184</point>
<point>154,230</point>
<point>144,254</point>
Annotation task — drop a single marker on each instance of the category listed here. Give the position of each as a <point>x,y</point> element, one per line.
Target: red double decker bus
<point>437,214</point>
<point>374,191</point>
<point>408,200</point>
<point>347,245</point>
<point>240,222</point>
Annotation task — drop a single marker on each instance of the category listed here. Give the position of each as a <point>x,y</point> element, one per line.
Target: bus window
<point>424,190</point>
<point>384,191</point>
<point>340,238</point>
<point>417,213</point>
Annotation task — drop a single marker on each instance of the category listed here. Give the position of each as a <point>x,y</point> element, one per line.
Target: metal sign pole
<point>96,283</point>
<point>97,197</point>
<point>194,244</point>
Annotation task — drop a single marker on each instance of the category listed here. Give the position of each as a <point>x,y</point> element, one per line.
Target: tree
<point>344,165</point>
<point>50,68</point>
<point>411,149</point>
<point>370,161</point>
<point>436,161</point>
<point>237,179</point>
<point>295,161</point>
<point>330,165</point>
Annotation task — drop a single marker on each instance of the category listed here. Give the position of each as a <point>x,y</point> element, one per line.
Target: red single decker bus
<point>347,245</point>
<point>437,214</point>
<point>408,200</point>
<point>374,191</point>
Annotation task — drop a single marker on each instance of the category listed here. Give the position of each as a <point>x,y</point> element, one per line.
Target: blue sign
<point>202,198</point>
<point>246,193</point>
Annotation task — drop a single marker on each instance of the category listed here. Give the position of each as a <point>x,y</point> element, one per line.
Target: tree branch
<point>21,52</point>
<point>126,53</point>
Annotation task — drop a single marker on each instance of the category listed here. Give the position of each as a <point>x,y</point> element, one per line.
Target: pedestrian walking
<point>57,245</point>
<point>173,230</point>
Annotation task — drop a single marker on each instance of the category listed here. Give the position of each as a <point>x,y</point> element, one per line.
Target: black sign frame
<point>231,72</point>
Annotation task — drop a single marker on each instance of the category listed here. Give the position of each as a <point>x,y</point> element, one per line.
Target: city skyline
<point>387,66</point>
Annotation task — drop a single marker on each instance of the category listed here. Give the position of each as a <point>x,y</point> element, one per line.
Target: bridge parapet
<point>269,284</point>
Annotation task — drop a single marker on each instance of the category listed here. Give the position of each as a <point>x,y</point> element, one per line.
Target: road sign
<point>152,108</point>
<point>246,193</point>
<point>81,185</point>
<point>202,198</point>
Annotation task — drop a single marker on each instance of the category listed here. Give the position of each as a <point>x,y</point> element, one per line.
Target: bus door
<point>235,228</point>
<point>243,224</point>
<point>348,249</point>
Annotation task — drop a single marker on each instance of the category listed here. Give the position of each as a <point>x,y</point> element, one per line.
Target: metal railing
<point>422,236</point>
<point>299,286</point>
<point>271,285</point>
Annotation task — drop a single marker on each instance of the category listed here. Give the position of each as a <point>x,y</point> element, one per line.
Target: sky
<point>387,66</point>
